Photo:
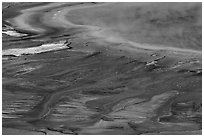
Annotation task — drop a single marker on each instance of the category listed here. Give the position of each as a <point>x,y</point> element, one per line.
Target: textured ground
<point>102,68</point>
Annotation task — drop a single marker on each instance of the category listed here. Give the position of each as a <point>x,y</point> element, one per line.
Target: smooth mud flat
<point>102,68</point>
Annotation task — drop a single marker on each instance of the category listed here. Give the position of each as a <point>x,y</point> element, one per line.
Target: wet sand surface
<point>67,69</point>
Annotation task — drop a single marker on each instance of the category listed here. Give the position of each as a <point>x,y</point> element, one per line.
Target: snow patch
<point>35,50</point>
<point>13,33</point>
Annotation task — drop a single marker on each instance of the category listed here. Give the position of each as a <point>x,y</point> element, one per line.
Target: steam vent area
<point>95,68</point>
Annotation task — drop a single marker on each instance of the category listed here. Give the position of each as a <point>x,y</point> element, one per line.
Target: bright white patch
<point>8,30</point>
<point>151,63</point>
<point>34,50</point>
<point>13,33</point>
